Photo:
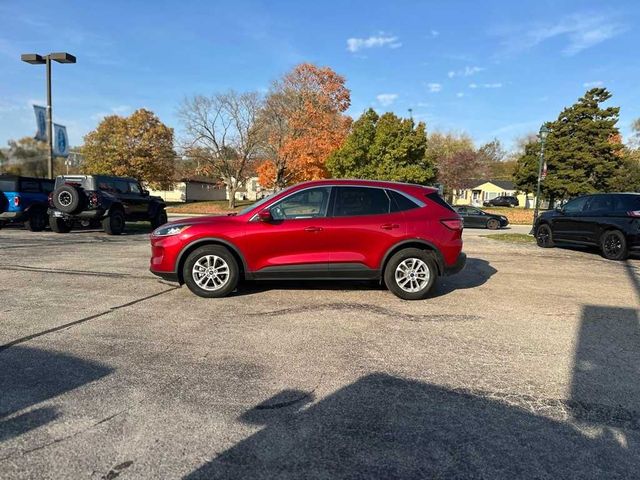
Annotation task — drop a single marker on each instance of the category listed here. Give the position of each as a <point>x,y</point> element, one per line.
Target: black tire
<point>216,273</point>
<point>424,261</point>
<point>37,220</point>
<point>160,218</point>
<point>114,224</point>
<point>493,224</point>
<point>58,225</point>
<point>544,236</point>
<point>613,245</point>
<point>68,199</point>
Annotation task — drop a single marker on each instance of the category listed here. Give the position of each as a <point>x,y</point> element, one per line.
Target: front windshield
<point>261,202</point>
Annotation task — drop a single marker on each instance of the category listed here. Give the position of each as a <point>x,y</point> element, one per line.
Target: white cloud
<point>485,85</point>
<point>434,33</point>
<point>580,31</point>
<point>466,72</point>
<point>386,99</point>
<point>382,40</point>
<point>434,87</point>
<point>422,104</point>
<point>597,83</point>
<point>460,94</point>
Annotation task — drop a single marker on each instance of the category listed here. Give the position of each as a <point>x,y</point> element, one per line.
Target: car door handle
<point>389,226</point>
<point>313,229</point>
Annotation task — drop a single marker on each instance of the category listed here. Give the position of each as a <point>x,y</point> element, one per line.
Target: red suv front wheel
<point>211,271</point>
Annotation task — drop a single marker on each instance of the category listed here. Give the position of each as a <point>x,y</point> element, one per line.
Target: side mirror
<point>559,209</point>
<point>145,193</point>
<point>265,215</point>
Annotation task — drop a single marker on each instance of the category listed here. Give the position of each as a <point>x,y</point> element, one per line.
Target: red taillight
<point>452,223</point>
<point>634,213</point>
<point>16,201</point>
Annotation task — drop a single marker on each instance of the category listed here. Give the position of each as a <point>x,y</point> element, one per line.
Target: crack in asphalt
<point>62,271</point>
<point>368,308</point>
<point>82,320</point>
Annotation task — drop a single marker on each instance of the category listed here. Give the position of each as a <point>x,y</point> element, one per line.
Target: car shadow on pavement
<point>29,376</point>
<point>383,426</point>
<point>475,273</point>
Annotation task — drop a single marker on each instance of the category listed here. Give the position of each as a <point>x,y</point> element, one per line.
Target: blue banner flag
<point>41,122</point>
<point>60,141</point>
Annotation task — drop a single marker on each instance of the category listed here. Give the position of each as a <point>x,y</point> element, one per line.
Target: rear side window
<point>8,185</point>
<point>600,203</point>
<point>357,201</point>
<point>121,186</point>
<point>134,187</point>
<point>434,197</point>
<point>627,203</point>
<point>29,186</point>
<point>400,203</point>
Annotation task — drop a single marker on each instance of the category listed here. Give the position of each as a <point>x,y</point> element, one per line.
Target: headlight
<point>168,230</point>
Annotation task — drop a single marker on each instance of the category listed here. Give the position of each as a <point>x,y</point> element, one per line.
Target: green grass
<point>211,206</point>
<point>520,238</point>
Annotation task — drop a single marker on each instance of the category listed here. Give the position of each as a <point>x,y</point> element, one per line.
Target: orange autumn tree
<point>303,122</point>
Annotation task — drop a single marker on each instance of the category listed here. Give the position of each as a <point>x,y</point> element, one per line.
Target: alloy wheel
<point>412,275</point>
<point>210,272</point>
<point>612,245</point>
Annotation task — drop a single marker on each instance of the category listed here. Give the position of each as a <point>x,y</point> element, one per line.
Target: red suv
<point>403,234</point>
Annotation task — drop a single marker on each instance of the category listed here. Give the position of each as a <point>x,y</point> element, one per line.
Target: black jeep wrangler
<point>95,199</point>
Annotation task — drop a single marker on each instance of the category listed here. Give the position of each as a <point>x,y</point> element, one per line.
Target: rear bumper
<point>456,267</point>
<point>11,216</point>
<point>84,215</point>
<point>168,276</point>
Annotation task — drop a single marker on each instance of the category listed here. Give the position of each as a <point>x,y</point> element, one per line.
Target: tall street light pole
<point>35,59</point>
<point>544,132</point>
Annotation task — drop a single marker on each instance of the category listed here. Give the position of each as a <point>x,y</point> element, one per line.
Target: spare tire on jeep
<point>68,199</point>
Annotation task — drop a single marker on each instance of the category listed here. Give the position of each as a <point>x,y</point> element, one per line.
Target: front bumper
<point>456,267</point>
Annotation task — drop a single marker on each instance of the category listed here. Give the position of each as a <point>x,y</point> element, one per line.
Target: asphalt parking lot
<point>525,365</point>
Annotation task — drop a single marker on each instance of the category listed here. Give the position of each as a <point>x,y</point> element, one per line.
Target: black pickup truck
<point>94,199</point>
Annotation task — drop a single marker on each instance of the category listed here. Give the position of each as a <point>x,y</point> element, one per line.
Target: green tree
<point>384,147</point>
<point>627,178</point>
<point>525,173</point>
<point>29,156</point>
<point>139,146</point>
<point>583,150</point>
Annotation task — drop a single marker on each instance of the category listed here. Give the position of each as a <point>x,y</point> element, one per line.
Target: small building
<point>251,190</point>
<point>476,192</point>
<point>193,189</point>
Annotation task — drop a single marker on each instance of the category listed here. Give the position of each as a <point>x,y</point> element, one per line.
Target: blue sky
<point>490,68</point>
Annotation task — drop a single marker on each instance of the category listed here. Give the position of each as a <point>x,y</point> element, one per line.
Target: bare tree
<point>222,133</point>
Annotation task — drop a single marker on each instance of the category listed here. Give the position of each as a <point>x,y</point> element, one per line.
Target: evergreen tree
<point>583,148</point>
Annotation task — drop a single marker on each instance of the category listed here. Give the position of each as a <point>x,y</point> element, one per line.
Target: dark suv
<point>24,199</point>
<point>94,199</point>
<point>503,201</point>
<point>610,221</point>
<point>404,235</point>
